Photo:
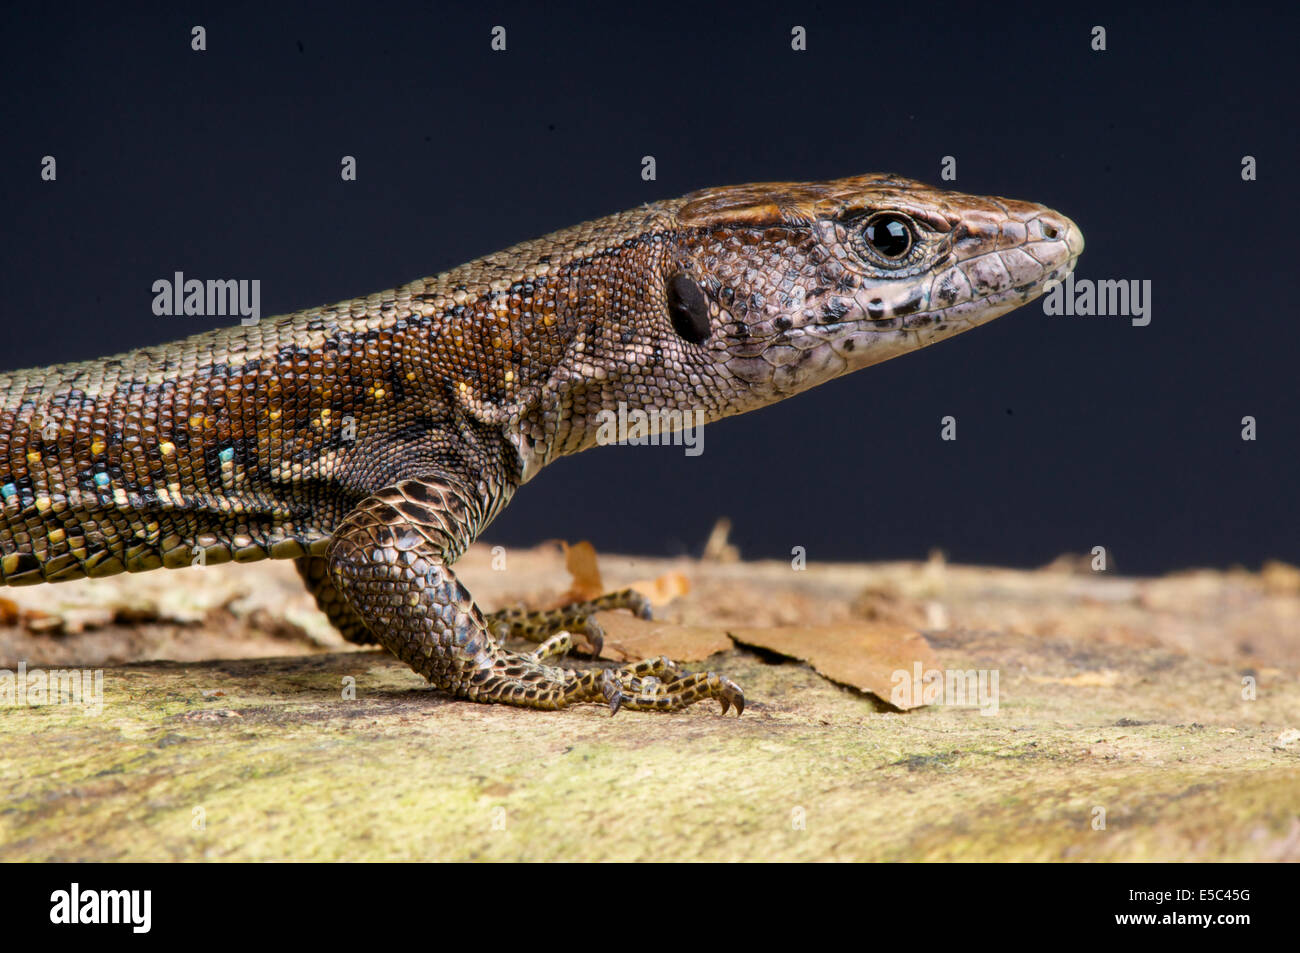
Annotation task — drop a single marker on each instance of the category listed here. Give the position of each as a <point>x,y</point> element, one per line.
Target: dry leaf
<point>629,639</point>
<point>664,589</point>
<point>580,560</point>
<point>867,656</point>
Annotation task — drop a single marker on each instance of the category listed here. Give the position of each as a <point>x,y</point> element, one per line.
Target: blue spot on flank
<point>8,491</point>
<point>101,479</point>
<point>227,455</point>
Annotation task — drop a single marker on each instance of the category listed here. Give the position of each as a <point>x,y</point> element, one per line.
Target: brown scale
<point>374,439</point>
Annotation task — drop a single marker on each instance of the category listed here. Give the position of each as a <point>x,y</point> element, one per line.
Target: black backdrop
<point>1073,432</point>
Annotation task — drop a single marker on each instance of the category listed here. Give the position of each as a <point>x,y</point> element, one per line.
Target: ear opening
<point>688,308</point>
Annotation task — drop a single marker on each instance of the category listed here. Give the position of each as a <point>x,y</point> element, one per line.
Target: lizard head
<point>771,289</point>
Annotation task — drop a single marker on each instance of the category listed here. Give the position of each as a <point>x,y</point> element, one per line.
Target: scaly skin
<point>375,439</point>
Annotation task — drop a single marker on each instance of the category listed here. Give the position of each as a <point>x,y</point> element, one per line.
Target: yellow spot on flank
<point>510,375</point>
<point>410,375</point>
<point>57,536</point>
<point>42,503</point>
<point>166,448</point>
<point>275,414</point>
<point>379,393</point>
<point>325,412</point>
<point>34,457</point>
<point>196,421</point>
<point>463,387</point>
<point>98,447</point>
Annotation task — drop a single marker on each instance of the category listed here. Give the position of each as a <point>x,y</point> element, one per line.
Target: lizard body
<point>374,439</point>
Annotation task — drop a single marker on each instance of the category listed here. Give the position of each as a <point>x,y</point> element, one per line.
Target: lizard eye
<point>888,235</point>
<point>688,308</point>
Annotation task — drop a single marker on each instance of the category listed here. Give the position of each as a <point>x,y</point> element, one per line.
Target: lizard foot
<point>655,684</point>
<point>649,693</point>
<point>541,626</point>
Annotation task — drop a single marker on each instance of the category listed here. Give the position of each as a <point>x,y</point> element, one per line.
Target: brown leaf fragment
<point>868,656</point>
<point>664,589</point>
<point>8,612</point>
<point>580,561</point>
<point>629,639</point>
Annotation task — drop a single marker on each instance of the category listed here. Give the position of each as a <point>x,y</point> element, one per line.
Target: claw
<point>739,700</point>
<point>595,637</point>
<point>732,695</point>
<point>612,690</point>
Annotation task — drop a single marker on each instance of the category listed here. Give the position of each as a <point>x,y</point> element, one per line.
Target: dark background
<point>1073,431</point>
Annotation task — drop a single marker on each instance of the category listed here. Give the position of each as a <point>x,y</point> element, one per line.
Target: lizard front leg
<point>391,560</point>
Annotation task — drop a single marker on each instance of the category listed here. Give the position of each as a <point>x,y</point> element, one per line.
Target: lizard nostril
<point>1055,227</point>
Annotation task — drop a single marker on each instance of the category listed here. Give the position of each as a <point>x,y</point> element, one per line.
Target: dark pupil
<point>889,236</point>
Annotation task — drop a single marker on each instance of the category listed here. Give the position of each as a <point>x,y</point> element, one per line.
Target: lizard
<point>374,439</point>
